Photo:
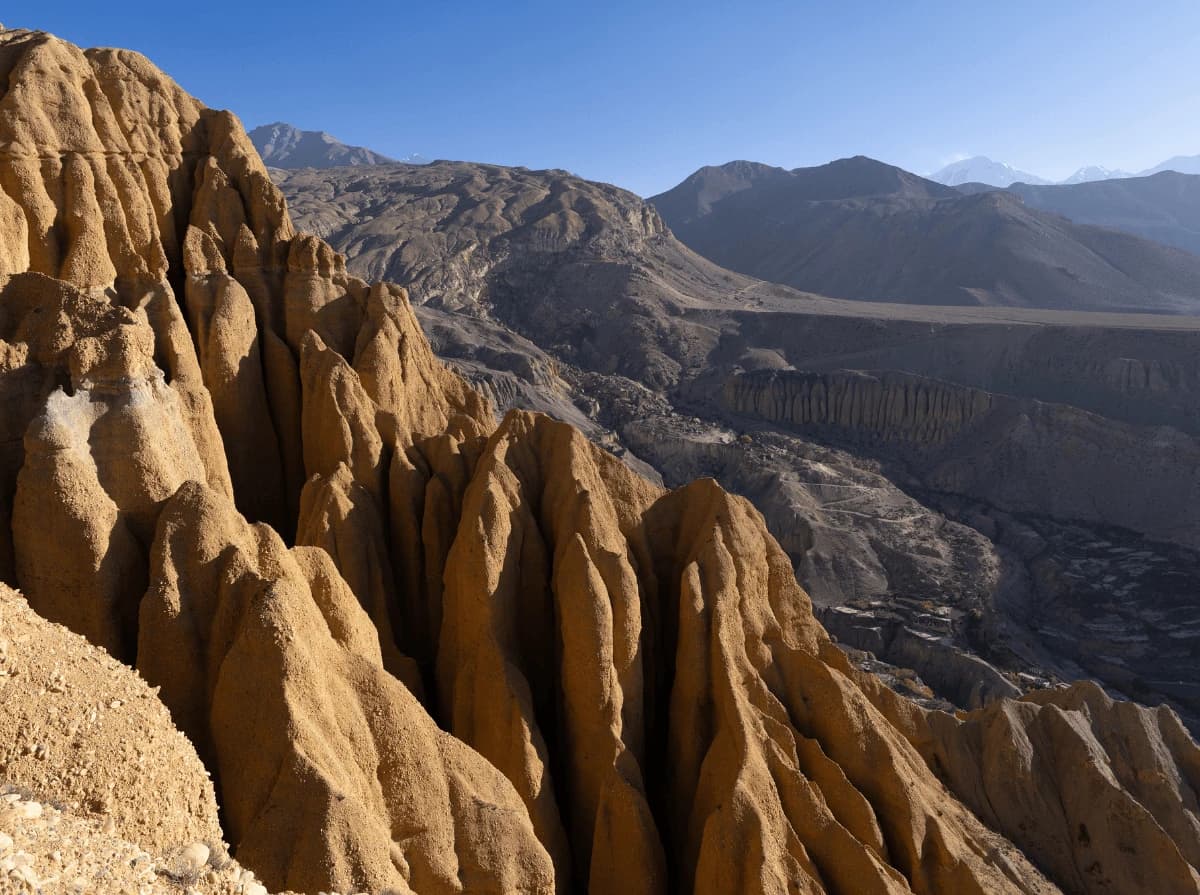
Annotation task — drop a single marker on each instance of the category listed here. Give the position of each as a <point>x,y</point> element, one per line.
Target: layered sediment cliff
<point>1018,455</point>
<point>891,406</point>
<point>1140,370</point>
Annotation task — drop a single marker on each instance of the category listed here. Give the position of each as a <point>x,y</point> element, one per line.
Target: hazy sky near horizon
<point>642,94</point>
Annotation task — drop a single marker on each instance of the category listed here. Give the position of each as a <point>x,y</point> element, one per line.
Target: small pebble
<point>29,810</point>
<point>194,856</point>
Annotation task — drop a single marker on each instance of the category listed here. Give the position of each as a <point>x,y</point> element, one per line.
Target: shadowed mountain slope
<point>860,229</point>
<point>566,262</point>
<point>1164,207</point>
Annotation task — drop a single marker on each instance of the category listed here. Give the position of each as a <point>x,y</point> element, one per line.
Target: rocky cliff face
<point>913,413</point>
<point>887,574</point>
<point>423,652</point>
<point>1136,370</point>
<point>1027,767</point>
<point>1017,455</point>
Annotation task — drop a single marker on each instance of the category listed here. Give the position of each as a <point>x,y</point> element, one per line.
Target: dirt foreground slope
<point>101,792</point>
<point>421,651</point>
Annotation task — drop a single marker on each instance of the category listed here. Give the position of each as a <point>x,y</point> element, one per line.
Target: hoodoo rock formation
<point>1038,768</point>
<point>421,651</point>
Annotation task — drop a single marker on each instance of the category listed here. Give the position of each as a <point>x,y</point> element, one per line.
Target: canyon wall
<point>1142,374</point>
<point>1019,455</point>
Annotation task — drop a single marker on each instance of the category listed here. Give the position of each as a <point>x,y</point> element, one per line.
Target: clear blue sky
<point>641,94</point>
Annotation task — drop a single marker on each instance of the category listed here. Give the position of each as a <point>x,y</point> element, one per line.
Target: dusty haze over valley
<point>371,522</point>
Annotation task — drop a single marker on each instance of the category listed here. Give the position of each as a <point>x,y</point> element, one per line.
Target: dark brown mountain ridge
<point>860,229</point>
<point>1164,207</point>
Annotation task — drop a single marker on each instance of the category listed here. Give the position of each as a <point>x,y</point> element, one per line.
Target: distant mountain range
<point>284,146</point>
<point>858,228</point>
<point>1093,173</point>
<point>1164,207</point>
<point>1184,164</point>
<point>853,228</point>
<point>981,169</point>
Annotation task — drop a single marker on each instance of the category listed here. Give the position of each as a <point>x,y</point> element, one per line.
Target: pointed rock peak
<point>282,145</point>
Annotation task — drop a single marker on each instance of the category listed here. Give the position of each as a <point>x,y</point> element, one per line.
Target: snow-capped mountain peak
<point>1095,172</point>
<point>1182,164</point>
<point>981,169</point>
